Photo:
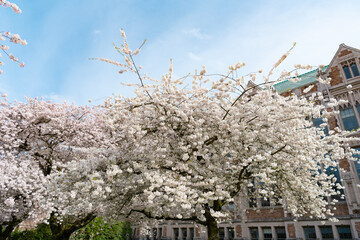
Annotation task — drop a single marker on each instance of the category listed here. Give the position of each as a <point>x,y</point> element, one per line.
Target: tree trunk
<point>213,230</point>
<point>211,225</point>
<point>63,231</point>
<point>5,232</point>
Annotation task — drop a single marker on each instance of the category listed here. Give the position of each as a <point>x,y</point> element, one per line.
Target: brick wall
<point>238,231</point>
<point>335,76</point>
<point>267,213</point>
<point>344,52</point>
<point>286,94</point>
<point>341,209</point>
<point>344,164</point>
<point>332,122</point>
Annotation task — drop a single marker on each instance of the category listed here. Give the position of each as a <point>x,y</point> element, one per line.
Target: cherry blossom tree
<point>189,151</point>
<point>42,148</point>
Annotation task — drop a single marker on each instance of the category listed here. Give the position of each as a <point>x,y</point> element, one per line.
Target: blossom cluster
<point>14,38</point>
<point>13,6</point>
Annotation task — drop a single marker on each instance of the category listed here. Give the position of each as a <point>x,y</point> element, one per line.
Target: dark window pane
<point>334,171</point>
<point>344,232</point>
<point>176,233</point>
<point>267,233</point>
<point>252,202</point>
<point>231,233</point>
<point>265,202</point>
<point>280,233</point>
<point>221,233</point>
<point>357,164</point>
<point>184,233</point>
<point>354,69</point>
<point>309,232</point>
<point>347,72</point>
<point>192,233</point>
<point>317,122</point>
<point>348,118</point>
<point>251,192</point>
<point>254,233</point>
<point>326,232</point>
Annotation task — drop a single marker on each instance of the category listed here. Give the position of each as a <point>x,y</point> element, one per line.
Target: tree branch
<point>279,150</point>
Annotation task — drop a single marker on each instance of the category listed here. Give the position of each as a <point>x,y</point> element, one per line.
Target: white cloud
<point>195,32</point>
<point>96,32</point>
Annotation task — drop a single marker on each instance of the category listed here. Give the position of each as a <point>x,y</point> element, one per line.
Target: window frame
<point>346,117</point>
<point>348,64</point>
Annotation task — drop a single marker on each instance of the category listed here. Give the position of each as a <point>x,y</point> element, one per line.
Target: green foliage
<point>43,232</point>
<point>101,230</point>
<point>97,229</point>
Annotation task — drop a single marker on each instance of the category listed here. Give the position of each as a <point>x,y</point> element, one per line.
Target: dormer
<point>344,67</point>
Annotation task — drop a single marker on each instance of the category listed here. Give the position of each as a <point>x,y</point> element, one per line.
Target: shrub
<point>100,229</point>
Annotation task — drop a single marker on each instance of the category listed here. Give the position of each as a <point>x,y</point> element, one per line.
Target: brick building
<point>270,221</point>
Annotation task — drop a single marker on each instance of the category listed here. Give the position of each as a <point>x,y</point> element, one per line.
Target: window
<point>184,233</point>
<point>265,202</point>
<point>357,165</point>
<point>254,233</point>
<point>310,232</point>
<point>344,232</point>
<point>192,233</point>
<point>231,233</point>
<point>347,71</point>
<point>277,201</point>
<point>267,233</point>
<point>326,232</point>
<point>221,233</point>
<point>335,172</point>
<point>354,69</point>
<point>230,206</point>
<point>350,68</point>
<point>176,233</point>
<point>252,198</point>
<point>317,122</point>
<point>348,118</point>
<point>280,233</point>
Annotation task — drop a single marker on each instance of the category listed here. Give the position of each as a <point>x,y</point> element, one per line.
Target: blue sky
<point>62,35</point>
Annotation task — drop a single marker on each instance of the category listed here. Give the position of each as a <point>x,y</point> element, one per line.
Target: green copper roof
<point>305,79</point>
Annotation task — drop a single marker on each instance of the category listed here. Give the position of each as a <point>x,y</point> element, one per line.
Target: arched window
<point>354,69</point>
<point>350,69</point>
<point>347,71</point>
